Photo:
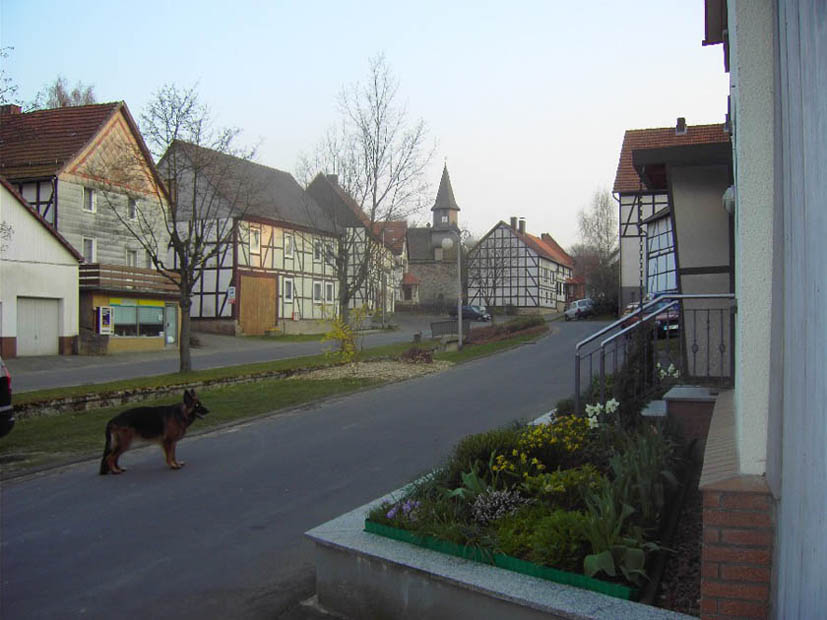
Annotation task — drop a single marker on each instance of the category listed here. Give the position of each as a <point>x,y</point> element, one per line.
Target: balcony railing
<point>95,276</point>
<point>686,336</point>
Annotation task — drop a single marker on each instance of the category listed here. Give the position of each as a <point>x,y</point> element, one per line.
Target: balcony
<point>122,279</point>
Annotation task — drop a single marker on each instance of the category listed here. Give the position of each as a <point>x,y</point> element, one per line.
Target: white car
<point>579,309</point>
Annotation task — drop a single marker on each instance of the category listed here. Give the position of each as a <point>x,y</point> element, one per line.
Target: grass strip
<point>41,440</point>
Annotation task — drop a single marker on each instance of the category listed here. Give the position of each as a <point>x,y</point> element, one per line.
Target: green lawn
<point>45,440</point>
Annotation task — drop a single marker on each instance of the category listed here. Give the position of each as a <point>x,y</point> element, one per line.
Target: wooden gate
<point>257,304</point>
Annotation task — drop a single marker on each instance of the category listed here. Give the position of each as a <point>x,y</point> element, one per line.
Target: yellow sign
<point>117,301</point>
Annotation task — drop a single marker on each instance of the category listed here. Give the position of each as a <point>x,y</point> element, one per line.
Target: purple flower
<point>392,512</point>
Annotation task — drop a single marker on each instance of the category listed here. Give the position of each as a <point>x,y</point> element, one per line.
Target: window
<point>328,292</point>
<point>138,320</point>
<point>132,208</point>
<point>89,253</point>
<point>147,260</point>
<point>328,250</point>
<point>288,289</point>
<point>89,200</point>
<point>255,240</point>
<point>444,219</point>
<point>317,251</point>
<point>317,292</point>
<point>132,258</point>
<point>288,245</point>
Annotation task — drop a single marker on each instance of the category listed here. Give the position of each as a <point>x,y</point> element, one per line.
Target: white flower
<point>612,405</point>
<point>593,423</point>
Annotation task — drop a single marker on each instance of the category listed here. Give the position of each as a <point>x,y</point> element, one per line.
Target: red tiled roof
<point>41,143</point>
<point>395,233</point>
<point>547,247</point>
<point>410,278</point>
<point>40,219</point>
<point>627,179</point>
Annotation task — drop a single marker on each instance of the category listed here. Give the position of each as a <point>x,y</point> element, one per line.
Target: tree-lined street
<point>223,537</point>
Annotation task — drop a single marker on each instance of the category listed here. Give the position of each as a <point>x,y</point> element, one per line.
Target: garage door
<point>37,321</point>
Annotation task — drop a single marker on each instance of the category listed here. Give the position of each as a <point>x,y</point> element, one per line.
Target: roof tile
<point>627,179</point>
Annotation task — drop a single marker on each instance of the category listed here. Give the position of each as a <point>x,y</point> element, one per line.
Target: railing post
<point>602,375</point>
<point>577,382</point>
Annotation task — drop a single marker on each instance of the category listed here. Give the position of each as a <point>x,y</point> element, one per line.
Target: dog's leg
<point>107,448</point>
<point>169,451</point>
<point>123,438</point>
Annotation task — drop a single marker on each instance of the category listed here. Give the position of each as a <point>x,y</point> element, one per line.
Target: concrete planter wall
<point>362,575</point>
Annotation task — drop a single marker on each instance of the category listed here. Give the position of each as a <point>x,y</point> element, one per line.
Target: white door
<point>37,321</point>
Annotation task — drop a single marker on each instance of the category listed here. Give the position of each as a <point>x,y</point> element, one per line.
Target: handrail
<point>660,298</point>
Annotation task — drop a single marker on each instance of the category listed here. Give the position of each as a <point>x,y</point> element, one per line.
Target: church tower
<point>445,209</point>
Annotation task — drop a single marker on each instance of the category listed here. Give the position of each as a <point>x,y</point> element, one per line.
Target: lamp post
<point>447,244</point>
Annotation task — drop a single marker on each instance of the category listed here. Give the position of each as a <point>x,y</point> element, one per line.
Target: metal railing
<point>696,342</point>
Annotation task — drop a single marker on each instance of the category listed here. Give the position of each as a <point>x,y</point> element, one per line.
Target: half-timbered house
<point>510,267</point>
<point>647,244</point>
<point>370,254</point>
<point>63,161</point>
<point>271,267</point>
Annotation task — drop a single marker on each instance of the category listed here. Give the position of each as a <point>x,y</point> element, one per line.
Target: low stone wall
<point>362,575</point>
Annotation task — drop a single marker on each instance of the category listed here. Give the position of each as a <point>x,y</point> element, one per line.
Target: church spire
<point>445,195</point>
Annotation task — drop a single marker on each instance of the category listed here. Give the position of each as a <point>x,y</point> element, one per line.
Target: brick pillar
<point>738,535</point>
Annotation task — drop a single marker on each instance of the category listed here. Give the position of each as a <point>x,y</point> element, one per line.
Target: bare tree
<point>488,265</point>
<point>380,157</point>
<point>8,89</point>
<point>596,254</point>
<point>59,94</point>
<point>186,220</point>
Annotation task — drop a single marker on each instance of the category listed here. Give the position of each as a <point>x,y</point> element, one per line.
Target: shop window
<point>138,320</point>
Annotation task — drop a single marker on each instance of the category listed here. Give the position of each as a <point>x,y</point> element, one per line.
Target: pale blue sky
<point>527,100</point>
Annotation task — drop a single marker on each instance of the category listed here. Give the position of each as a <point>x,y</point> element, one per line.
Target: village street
<point>223,538</point>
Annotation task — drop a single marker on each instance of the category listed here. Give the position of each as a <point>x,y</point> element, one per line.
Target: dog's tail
<point>106,450</point>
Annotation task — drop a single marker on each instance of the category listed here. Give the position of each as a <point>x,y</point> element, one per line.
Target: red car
<point>666,322</point>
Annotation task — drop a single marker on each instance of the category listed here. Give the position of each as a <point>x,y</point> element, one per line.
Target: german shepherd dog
<point>164,425</point>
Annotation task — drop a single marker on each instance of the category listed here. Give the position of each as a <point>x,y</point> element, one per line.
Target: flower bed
<point>579,500</point>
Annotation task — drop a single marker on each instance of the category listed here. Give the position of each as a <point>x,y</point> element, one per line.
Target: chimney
<point>9,108</point>
<point>522,225</point>
<point>680,127</point>
<point>513,223</point>
<point>333,178</point>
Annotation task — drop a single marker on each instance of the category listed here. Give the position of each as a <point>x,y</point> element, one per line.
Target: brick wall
<point>737,548</point>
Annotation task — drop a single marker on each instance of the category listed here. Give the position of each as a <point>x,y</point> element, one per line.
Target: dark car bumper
<point>6,420</point>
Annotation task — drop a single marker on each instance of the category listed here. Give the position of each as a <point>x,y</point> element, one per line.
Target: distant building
<point>510,267</point>
<point>432,269</point>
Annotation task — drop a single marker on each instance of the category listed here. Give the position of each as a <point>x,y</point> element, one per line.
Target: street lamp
<point>447,244</point>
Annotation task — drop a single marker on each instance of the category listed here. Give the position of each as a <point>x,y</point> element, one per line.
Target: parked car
<point>473,313</point>
<point>6,409</point>
<point>667,322</point>
<point>579,309</point>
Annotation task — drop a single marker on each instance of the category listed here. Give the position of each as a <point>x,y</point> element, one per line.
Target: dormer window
<point>444,219</point>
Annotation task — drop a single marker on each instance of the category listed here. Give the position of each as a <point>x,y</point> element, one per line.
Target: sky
<point>526,101</point>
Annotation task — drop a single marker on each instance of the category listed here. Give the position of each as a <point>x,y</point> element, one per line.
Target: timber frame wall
<point>504,271</point>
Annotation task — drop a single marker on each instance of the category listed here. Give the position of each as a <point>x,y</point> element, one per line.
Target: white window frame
<point>318,251</point>
<point>94,242</point>
<point>288,290</point>
<point>134,255</point>
<point>329,292</point>
<point>289,245</point>
<point>92,201</point>
<point>318,299</point>
<point>131,208</point>
<point>148,260</point>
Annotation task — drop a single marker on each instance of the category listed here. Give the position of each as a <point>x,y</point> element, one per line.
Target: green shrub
<point>523,322</point>
<point>563,488</point>
<point>550,538</point>
<point>565,406</point>
<point>476,450</point>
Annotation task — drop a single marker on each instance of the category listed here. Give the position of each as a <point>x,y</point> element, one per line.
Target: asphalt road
<point>222,538</point>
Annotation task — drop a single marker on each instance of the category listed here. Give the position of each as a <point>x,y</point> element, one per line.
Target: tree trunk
<point>184,357</point>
